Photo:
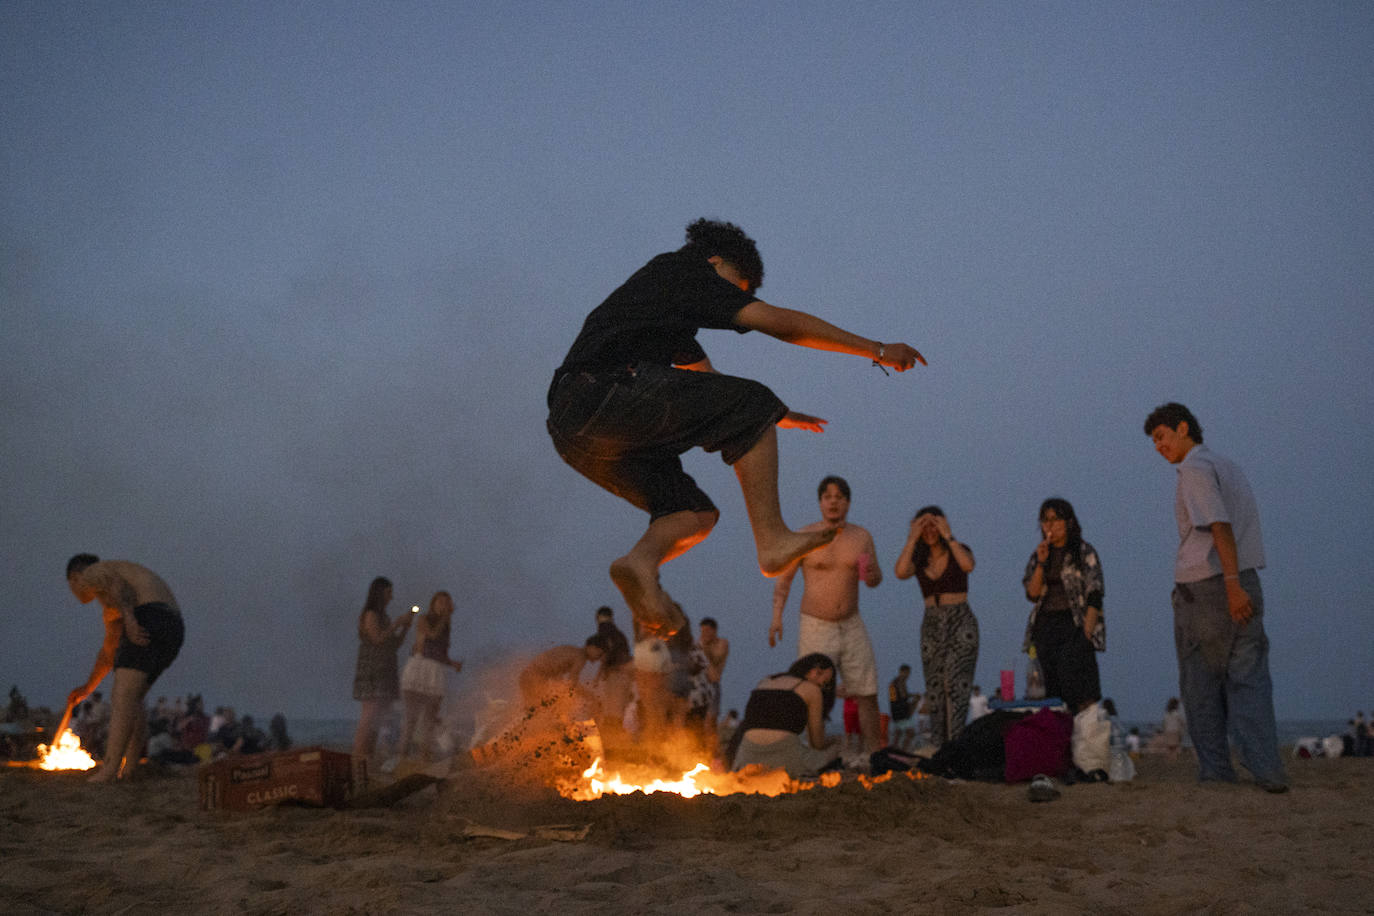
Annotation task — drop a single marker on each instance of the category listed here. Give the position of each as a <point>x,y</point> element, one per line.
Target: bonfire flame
<point>65,754</point>
<point>700,780</point>
<point>596,784</point>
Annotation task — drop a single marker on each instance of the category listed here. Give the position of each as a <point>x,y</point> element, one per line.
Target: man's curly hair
<point>712,237</point>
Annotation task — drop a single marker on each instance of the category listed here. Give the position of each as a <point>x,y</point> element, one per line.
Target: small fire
<point>598,784</point>
<point>700,780</point>
<point>66,754</point>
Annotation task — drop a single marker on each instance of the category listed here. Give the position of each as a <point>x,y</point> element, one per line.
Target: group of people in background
<point>1066,627</point>
<point>665,686</point>
<point>181,732</point>
<point>669,680</point>
<point>178,731</point>
<point>378,681</point>
<point>637,356</point>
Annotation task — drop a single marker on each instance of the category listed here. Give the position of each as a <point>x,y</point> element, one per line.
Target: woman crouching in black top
<point>780,708</point>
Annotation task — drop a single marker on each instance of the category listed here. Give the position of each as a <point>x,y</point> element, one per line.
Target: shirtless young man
<point>830,621</point>
<point>716,648</point>
<point>143,633</point>
<point>636,391</point>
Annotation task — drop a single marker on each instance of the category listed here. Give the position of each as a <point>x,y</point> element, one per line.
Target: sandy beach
<point>1160,844</point>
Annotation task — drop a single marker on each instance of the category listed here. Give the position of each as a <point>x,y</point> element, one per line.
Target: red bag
<point>1039,744</point>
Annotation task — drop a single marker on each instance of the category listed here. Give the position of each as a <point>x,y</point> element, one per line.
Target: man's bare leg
<point>636,573</point>
<point>869,726</point>
<point>126,709</point>
<point>778,546</point>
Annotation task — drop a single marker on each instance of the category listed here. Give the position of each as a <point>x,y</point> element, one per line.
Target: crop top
<point>952,581</point>
<point>782,709</point>
<point>436,646</point>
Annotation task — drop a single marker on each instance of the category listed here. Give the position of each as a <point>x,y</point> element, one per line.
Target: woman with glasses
<point>1064,581</point>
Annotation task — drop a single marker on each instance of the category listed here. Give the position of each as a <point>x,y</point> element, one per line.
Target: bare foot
<point>774,560</point>
<point>649,604</point>
<point>103,773</point>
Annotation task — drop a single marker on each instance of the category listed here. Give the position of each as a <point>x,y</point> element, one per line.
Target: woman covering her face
<point>949,631</point>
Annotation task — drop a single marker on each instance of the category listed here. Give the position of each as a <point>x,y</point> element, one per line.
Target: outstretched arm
<point>806,330</point>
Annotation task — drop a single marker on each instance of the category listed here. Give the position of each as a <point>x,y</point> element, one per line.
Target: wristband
<point>877,362</point>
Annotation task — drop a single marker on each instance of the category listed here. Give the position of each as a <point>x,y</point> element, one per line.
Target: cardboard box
<point>311,776</point>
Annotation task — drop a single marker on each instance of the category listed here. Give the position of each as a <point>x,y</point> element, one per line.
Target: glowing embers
<point>701,780</point>
<point>65,754</point>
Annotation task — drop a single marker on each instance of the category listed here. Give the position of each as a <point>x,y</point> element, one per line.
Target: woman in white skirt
<point>422,680</point>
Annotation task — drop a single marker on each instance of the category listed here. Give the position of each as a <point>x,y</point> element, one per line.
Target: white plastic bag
<point>1123,767</point>
<point>1092,740</point>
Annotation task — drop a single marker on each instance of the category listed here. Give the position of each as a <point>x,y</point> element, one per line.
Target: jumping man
<point>636,391</point>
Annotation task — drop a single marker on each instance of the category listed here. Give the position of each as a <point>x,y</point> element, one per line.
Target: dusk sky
<point>282,287</point>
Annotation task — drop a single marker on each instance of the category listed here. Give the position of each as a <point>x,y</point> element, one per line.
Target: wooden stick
<point>62,725</point>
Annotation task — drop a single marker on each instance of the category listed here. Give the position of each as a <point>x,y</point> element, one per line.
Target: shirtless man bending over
<point>830,621</point>
<point>636,391</point>
<point>143,633</point>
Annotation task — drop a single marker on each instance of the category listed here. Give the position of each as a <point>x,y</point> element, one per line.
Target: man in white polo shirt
<point>1223,653</point>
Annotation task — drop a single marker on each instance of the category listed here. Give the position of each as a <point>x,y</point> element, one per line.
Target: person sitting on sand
<point>636,391</point>
<point>277,737</point>
<point>780,709</point>
<point>977,704</point>
<point>1133,741</point>
<point>162,747</point>
<point>555,672</point>
<point>192,727</point>
<point>1170,737</point>
<point>252,740</point>
<point>902,709</point>
<point>227,739</point>
<point>143,634</point>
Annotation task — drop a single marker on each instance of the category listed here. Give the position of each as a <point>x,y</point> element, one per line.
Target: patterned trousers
<point>949,655</point>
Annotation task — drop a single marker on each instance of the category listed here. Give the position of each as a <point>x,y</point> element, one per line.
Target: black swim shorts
<point>165,634</point>
<point>625,429</point>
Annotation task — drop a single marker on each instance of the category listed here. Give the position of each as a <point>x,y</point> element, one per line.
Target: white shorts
<point>847,643</point>
<point>423,675</point>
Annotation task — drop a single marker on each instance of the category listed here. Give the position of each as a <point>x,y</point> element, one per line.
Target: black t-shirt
<point>616,646</point>
<point>654,316</point>
<point>1055,597</point>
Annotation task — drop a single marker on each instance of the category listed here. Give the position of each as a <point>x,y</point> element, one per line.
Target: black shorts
<point>165,633</point>
<point>625,429</point>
